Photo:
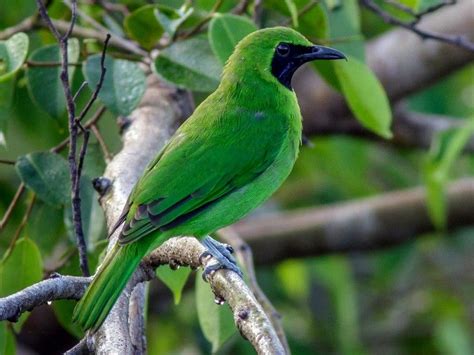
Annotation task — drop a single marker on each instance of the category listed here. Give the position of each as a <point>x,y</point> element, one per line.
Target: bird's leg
<point>223,254</point>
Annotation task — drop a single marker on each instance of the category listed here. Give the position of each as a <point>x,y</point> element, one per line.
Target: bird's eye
<point>283,50</point>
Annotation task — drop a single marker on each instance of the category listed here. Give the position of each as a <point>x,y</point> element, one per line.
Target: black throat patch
<point>284,66</point>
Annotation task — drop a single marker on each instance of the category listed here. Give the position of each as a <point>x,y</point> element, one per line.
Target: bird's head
<point>276,53</point>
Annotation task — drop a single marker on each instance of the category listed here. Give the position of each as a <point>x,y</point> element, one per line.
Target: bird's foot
<point>223,254</point>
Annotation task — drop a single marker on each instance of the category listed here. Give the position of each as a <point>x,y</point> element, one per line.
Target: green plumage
<point>235,150</point>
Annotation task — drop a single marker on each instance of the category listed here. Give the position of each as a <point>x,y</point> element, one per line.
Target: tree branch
<point>365,224</point>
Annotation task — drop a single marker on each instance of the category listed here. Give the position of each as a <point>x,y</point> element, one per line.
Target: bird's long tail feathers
<point>108,283</point>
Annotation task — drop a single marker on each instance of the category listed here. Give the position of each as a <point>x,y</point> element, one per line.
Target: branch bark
<point>402,61</point>
<point>361,225</point>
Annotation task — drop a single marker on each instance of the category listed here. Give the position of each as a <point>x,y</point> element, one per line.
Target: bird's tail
<point>108,283</point>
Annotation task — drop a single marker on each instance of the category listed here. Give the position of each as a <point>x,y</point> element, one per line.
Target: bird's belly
<point>239,203</point>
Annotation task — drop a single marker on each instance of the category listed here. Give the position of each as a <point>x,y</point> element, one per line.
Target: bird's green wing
<point>191,174</point>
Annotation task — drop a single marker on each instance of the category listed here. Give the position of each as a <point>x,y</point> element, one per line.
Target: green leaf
<point>216,321</point>
<point>290,4</point>
<point>93,219</point>
<point>365,95</point>
<point>445,149</point>
<point>47,174</point>
<point>12,55</point>
<point>170,19</point>
<point>7,89</point>
<point>7,340</point>
<point>225,31</point>
<point>296,287</point>
<point>44,83</point>
<point>189,64</point>
<point>123,86</point>
<point>174,279</point>
<point>452,337</point>
<point>345,29</point>
<point>143,26</point>
<point>63,310</point>
<point>45,226</point>
<point>314,24</point>
<point>22,268</point>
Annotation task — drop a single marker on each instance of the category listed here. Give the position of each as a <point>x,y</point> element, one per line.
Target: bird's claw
<point>222,253</point>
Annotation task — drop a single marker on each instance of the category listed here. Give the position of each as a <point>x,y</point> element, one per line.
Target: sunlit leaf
<point>12,55</point>
<point>143,26</point>
<point>189,64</point>
<point>123,86</point>
<point>293,11</point>
<point>365,95</point>
<point>174,279</point>
<point>446,148</point>
<point>170,19</point>
<point>225,31</point>
<point>216,321</point>
<point>47,174</point>
<point>22,268</point>
<point>44,82</point>
<point>452,337</point>
<point>7,340</point>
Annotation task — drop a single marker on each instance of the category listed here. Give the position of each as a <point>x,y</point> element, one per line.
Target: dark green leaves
<point>364,95</point>
<point>446,148</point>
<point>174,279</point>
<point>216,321</point>
<point>143,26</point>
<point>189,64</point>
<point>47,174</point>
<point>123,86</point>
<point>44,82</point>
<point>12,55</point>
<point>225,31</point>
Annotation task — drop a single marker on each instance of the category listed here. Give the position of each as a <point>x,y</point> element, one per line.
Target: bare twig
<point>11,207</point>
<point>32,63</point>
<point>241,7</point>
<point>203,22</point>
<point>24,26</point>
<point>419,15</point>
<point>457,40</point>
<point>73,131</point>
<point>7,162</point>
<point>97,89</point>
<point>22,225</point>
<point>103,145</point>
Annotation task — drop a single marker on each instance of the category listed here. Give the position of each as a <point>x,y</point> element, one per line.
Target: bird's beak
<point>320,52</point>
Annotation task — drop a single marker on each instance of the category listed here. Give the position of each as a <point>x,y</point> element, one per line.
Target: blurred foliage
<point>415,298</point>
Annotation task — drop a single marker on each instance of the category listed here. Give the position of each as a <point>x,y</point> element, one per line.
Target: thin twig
<point>98,114</point>
<point>32,63</point>
<point>26,25</point>
<point>22,225</point>
<point>73,131</point>
<point>457,40</point>
<point>204,21</point>
<point>418,15</point>
<point>103,70</point>
<point>308,7</point>
<point>105,151</point>
<point>11,207</point>
<point>241,7</point>
<point>7,161</point>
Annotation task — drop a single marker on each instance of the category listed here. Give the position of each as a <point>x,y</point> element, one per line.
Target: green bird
<point>235,150</point>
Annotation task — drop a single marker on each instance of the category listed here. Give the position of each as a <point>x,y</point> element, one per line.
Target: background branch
<point>366,224</point>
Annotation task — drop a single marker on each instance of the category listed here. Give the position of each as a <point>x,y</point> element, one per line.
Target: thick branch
<point>401,60</point>
<point>366,224</point>
<point>249,316</point>
<point>56,288</point>
<point>151,124</point>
